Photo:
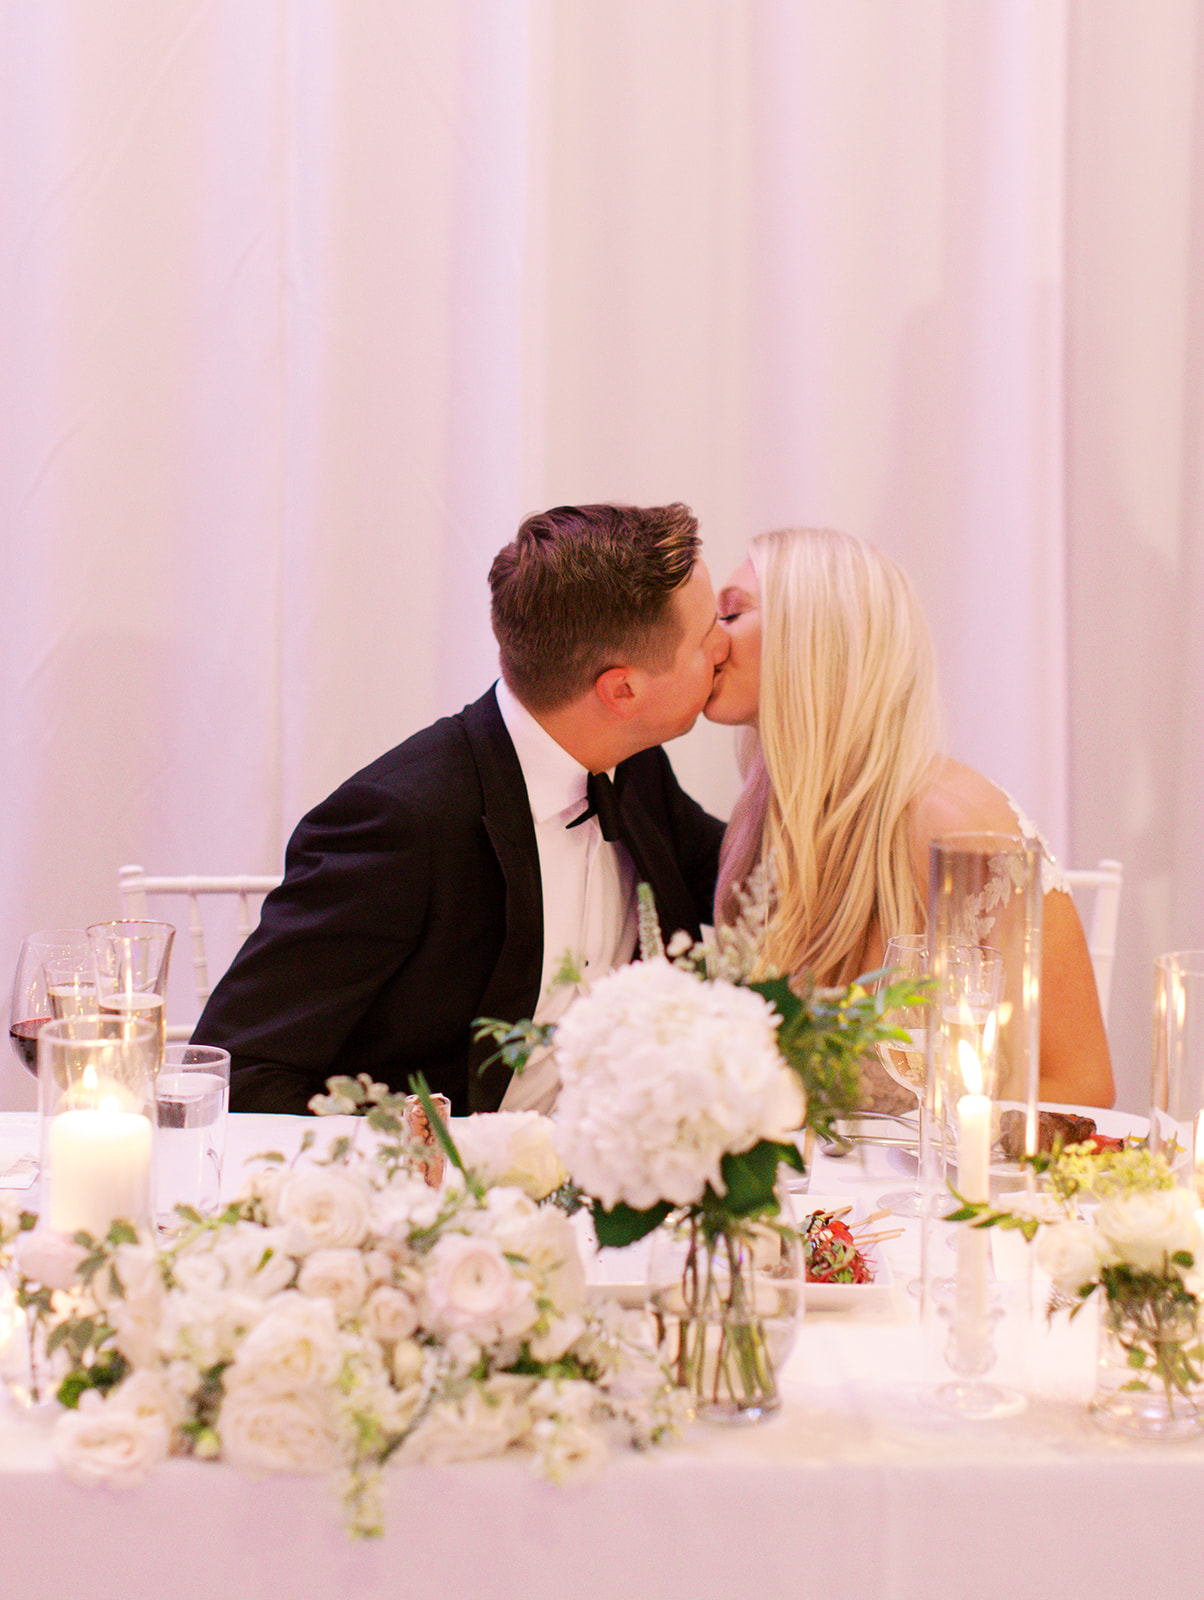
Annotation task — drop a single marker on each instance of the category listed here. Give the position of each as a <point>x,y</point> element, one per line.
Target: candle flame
<point>971,1066</point>
<point>89,1079</point>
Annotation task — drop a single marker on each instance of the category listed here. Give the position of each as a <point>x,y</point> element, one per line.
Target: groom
<point>448,879</point>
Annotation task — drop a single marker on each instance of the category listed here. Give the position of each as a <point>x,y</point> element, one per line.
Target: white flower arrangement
<point>1141,1251</point>
<point>661,1077</point>
<point>342,1312</point>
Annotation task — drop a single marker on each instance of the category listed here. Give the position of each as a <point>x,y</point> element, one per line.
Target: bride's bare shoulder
<point>956,799</point>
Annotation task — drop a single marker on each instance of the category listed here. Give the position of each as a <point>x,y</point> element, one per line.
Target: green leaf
<point>624,1225</point>
<point>750,1178</point>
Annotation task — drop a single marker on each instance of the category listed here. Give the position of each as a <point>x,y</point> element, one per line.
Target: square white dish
<point>847,1296</point>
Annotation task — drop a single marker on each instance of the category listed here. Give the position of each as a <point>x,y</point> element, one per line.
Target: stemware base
<point>902,1203</point>
<point>979,1402</point>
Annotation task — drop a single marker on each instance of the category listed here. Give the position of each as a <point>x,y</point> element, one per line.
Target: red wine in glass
<point>24,1039</point>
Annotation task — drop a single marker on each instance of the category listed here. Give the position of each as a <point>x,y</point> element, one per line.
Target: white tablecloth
<point>860,1487</point>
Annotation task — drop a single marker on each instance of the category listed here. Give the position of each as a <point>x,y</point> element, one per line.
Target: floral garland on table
<point>1141,1252</point>
<point>342,1313</point>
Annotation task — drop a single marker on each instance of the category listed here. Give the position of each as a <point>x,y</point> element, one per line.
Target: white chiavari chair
<point>245,892</point>
<point>1100,885</point>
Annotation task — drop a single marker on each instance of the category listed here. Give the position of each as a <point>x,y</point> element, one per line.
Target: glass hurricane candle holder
<point>984,931</point>
<point>96,1091</point>
<point>1177,1087</point>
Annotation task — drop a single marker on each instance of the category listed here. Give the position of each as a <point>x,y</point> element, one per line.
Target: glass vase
<point>726,1298</point>
<point>1148,1370</point>
<point>26,1371</point>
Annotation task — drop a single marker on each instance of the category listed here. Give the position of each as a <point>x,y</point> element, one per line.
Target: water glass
<point>192,1098</point>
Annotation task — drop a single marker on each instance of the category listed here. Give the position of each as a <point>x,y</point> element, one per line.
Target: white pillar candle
<point>100,1165</point>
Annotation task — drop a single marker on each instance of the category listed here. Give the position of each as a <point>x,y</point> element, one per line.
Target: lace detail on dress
<point>1052,876</point>
<point>1004,874</point>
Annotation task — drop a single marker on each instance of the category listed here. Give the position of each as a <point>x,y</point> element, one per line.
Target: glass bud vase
<point>26,1371</point>
<point>726,1298</point>
<point>1148,1371</point>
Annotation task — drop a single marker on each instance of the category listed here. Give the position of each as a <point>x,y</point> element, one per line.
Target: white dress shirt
<point>589,910</point>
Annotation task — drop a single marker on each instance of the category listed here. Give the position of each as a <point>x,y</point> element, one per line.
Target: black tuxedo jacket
<point>411,904</point>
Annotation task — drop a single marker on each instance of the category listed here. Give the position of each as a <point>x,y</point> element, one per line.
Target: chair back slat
<point>1104,882</point>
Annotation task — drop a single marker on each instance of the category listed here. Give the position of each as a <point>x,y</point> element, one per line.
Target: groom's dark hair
<point>584,588</point>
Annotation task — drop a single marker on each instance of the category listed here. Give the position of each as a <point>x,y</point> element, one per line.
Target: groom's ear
<point>617,691</point>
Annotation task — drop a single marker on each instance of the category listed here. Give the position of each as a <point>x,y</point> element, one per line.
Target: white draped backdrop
<point>305,303</point>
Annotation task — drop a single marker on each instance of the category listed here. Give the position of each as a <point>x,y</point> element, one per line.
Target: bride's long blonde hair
<point>847,727</point>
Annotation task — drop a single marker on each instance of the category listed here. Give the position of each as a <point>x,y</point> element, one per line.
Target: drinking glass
<point>31,1001</point>
<point>907,1062</point>
<point>131,959</point>
<point>192,1098</point>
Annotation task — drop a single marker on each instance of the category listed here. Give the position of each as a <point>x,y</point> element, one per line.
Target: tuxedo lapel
<point>513,987</point>
<point>655,864</point>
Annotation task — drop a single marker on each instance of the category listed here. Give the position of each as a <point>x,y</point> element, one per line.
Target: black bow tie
<point>603,803</point>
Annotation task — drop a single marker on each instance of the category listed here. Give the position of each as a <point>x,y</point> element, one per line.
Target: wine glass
<point>67,952</point>
<point>906,1060</point>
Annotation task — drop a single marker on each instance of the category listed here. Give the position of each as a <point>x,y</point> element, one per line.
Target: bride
<point>831,671</point>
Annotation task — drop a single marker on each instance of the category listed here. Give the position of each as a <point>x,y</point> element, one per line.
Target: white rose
<point>331,1208</point>
<point>294,1346</point>
<point>336,1275</point>
<point>485,1421</point>
<point>390,1313</point>
<point>204,1327</point>
<point>288,1432</point>
<point>137,1330</point>
<point>381,1263</point>
<point>1145,1230</point>
<point>512,1148</point>
<point>471,1288</point>
<point>256,1259</point>
<point>103,1443</point>
<point>406,1204</point>
<point>560,1335</point>
<point>48,1257</point>
<point>569,1452</point>
<point>548,1241</point>
<point>261,1188</point>
<point>1069,1253</point>
<point>152,1393</point>
<point>408,1363</point>
<point>199,1270</point>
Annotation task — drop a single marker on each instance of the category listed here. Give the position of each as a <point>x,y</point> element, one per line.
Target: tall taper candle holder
<point>1177,1084</point>
<point>984,929</point>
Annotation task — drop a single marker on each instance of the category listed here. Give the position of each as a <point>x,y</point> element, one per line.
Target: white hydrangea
<point>661,1076</point>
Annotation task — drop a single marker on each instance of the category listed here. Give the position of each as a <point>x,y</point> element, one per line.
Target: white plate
<point>847,1296</point>
<point>622,1275</point>
<point>1111,1124</point>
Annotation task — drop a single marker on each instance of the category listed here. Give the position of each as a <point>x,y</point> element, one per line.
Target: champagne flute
<point>62,949</point>
<point>131,957</point>
<point>906,1059</point>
